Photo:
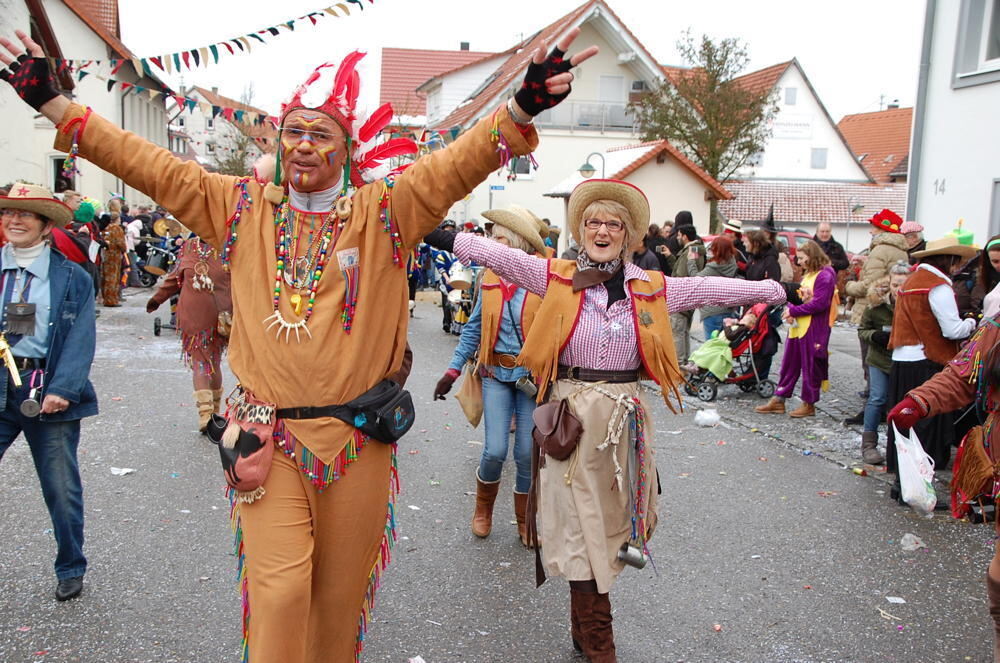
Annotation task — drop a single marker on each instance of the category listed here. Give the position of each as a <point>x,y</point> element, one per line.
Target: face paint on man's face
<point>300,179</point>
<point>328,153</point>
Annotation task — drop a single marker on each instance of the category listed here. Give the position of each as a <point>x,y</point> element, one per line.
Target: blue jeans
<point>53,449</point>
<point>714,323</point>
<point>501,401</point>
<point>878,396</point>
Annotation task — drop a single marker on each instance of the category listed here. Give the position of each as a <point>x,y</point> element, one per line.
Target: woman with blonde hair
<point>491,340</point>
<point>603,325</point>
<point>806,349</point>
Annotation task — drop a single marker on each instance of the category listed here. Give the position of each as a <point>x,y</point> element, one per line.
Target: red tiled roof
<point>761,81</point>
<point>405,69</point>
<point>667,146</point>
<point>884,136</point>
<point>810,202</point>
<point>265,133</point>
<point>101,16</point>
<point>513,68</point>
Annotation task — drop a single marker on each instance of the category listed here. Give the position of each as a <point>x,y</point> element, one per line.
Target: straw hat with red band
<point>39,200</point>
<point>628,195</point>
<point>887,221</point>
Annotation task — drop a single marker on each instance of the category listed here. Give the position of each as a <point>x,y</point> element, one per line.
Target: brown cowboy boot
<point>520,513</point>
<point>869,449</point>
<point>217,399</point>
<point>203,399</point>
<point>804,410</point>
<point>486,496</point>
<point>576,601</point>
<point>774,406</point>
<point>594,617</point>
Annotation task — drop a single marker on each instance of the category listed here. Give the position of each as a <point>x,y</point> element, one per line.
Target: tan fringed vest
<point>914,322</point>
<point>492,312</point>
<point>560,311</point>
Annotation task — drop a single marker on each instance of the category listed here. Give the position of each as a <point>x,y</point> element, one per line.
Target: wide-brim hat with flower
<point>37,199</point>
<point>629,195</point>
<point>336,95</point>
<point>887,221</point>
<point>734,225</point>
<point>519,220</point>
<point>948,245</point>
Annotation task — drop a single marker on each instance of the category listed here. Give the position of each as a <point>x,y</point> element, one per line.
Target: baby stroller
<point>748,346</point>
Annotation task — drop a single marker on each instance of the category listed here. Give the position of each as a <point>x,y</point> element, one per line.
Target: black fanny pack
<point>384,412</point>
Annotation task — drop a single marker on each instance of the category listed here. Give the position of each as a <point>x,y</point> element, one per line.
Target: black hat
<point>768,224</point>
<point>447,223</point>
<point>684,218</point>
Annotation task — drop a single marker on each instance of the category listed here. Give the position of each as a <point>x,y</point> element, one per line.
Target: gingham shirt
<point>604,337</point>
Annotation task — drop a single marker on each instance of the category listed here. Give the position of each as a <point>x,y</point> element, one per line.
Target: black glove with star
<point>534,95</point>
<point>31,79</point>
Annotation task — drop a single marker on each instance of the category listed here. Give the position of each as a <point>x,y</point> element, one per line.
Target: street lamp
<point>588,170</point>
<point>855,208</point>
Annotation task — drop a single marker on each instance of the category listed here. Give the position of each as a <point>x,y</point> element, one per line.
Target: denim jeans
<point>714,323</point>
<point>501,401</point>
<point>53,449</point>
<point>878,395</point>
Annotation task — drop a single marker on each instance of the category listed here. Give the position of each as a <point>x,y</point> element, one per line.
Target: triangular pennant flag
<point>125,85</point>
<point>177,61</point>
<point>169,64</point>
<point>191,104</point>
<point>111,84</point>
<point>332,12</point>
<point>137,65</point>
<point>454,133</point>
<point>81,74</point>
<point>153,94</point>
<point>246,42</point>
<point>259,38</point>
<point>238,44</point>
<point>343,8</point>
<point>186,56</point>
<point>215,53</point>
<point>204,55</point>
<point>239,116</point>
<point>358,3</point>
<point>230,48</point>
<point>227,113</point>
<point>291,25</point>
<point>215,111</point>
<point>139,89</point>
<point>194,54</point>
<point>157,61</point>
<point>312,18</point>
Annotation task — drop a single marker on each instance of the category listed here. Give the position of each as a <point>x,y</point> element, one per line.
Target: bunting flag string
<point>203,56</point>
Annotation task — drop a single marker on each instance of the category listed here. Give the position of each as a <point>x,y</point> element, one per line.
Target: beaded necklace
<point>201,280</point>
<point>327,238</point>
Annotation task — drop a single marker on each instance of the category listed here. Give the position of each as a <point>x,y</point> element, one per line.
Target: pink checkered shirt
<point>604,338</point>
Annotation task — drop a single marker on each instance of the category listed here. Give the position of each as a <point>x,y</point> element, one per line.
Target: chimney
<point>215,90</point>
<point>892,106</point>
<point>463,45</point>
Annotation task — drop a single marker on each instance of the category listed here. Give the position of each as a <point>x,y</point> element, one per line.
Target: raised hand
<point>28,73</point>
<point>548,79</point>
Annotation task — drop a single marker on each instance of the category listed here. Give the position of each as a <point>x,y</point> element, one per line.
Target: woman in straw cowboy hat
<point>926,331</point>
<point>48,316</point>
<point>602,326</point>
<point>501,319</point>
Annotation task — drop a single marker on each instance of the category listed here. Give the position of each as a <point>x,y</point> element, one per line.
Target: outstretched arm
<point>685,294</point>
<point>202,199</point>
<point>529,272</point>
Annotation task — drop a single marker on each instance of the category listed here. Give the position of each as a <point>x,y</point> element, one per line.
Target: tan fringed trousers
<point>309,556</point>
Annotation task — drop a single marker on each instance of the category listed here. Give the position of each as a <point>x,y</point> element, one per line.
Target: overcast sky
<point>853,51</point>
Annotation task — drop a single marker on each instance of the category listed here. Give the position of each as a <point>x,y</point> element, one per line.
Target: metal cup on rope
<point>32,406</point>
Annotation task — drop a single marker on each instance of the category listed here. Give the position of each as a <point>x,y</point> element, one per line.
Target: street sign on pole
<point>496,187</point>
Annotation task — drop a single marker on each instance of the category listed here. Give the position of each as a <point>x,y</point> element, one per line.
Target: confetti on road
<point>117,398</point>
<point>413,507</point>
<point>122,471</point>
<point>414,452</point>
<point>717,627</point>
<point>895,599</point>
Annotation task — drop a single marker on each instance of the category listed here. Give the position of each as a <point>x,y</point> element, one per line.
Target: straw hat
<point>519,220</point>
<point>734,225</point>
<point>39,200</point>
<point>621,192</point>
<point>946,246</point>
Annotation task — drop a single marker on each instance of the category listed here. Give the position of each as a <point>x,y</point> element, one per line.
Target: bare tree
<point>717,121</point>
<point>237,151</point>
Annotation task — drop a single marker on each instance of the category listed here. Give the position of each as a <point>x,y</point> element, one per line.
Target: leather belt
<point>29,363</point>
<point>594,375</point>
<point>310,412</point>
<point>506,361</point>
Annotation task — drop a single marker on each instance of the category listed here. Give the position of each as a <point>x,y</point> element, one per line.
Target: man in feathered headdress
<point>320,312</point>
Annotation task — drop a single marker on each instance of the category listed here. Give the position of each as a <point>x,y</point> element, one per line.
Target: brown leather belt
<point>594,375</point>
<point>506,361</point>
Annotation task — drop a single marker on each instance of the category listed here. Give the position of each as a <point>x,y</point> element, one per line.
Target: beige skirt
<point>586,502</point>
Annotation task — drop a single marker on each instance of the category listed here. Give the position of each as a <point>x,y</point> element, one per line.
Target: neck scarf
<point>589,273</point>
<point>314,202</point>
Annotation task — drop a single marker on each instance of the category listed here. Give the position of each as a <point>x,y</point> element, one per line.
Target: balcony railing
<point>589,116</point>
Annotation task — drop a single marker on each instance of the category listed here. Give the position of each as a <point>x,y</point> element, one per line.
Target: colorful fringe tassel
<point>234,221</point>
<point>383,559</point>
<point>320,474</point>
<point>352,279</point>
<point>241,570</point>
<point>388,224</point>
<point>639,509</point>
<point>209,343</point>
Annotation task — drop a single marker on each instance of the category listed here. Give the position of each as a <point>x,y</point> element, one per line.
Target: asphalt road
<point>768,549</point>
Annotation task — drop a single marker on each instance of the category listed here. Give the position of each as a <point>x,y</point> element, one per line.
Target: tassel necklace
<point>302,272</point>
<point>202,281</point>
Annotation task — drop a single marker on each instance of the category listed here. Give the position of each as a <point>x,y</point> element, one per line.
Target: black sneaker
<point>69,588</point>
<point>856,420</point>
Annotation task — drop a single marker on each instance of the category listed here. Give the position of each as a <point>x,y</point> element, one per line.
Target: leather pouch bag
<point>557,430</point>
<point>470,395</point>
<point>385,412</point>
<point>246,446</point>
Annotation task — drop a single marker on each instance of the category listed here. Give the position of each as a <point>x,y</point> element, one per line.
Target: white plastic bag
<point>916,473</point>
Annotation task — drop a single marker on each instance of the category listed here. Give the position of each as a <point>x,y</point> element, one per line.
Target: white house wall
<point>797,129</point>
<point>670,188</point>
<point>26,138</point>
<point>960,145</point>
<point>456,88</point>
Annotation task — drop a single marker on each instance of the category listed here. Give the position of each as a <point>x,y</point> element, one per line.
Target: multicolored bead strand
<point>234,220</point>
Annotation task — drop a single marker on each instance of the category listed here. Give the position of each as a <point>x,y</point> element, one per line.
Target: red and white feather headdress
<point>336,95</point>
